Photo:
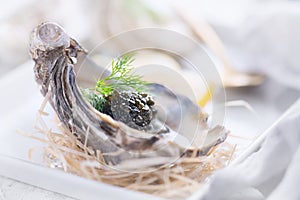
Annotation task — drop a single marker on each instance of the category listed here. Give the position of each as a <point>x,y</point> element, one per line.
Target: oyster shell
<point>55,55</point>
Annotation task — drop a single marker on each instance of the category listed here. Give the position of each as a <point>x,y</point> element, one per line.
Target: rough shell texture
<point>54,53</point>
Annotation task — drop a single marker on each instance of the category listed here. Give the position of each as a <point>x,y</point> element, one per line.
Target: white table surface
<point>15,190</point>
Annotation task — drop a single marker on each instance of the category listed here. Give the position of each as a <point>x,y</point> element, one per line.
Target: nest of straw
<point>177,181</point>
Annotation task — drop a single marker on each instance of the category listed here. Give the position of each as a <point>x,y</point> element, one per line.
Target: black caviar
<point>132,108</point>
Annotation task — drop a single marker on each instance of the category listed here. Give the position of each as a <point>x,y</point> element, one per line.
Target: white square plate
<point>20,99</point>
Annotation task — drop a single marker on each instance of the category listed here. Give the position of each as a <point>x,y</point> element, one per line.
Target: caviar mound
<point>132,108</point>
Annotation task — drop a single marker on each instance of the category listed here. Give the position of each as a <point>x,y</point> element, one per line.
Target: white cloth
<point>271,173</point>
<point>266,40</point>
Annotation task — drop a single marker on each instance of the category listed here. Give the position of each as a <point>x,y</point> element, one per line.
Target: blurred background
<point>257,34</point>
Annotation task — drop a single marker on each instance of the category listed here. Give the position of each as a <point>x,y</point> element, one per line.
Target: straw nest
<point>177,180</point>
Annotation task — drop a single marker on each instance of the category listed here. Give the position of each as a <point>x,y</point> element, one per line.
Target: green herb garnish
<point>121,78</point>
<point>96,100</point>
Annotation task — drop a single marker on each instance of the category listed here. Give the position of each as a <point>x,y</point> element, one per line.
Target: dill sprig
<point>121,77</point>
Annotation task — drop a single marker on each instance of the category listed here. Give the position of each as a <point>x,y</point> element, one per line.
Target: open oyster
<point>181,129</point>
